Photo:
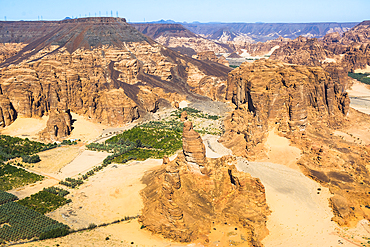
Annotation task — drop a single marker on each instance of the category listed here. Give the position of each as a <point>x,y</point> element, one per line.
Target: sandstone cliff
<point>272,94</point>
<point>98,67</point>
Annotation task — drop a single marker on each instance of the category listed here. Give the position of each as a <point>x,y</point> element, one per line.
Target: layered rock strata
<point>273,94</point>
<point>182,204</point>
<point>101,68</point>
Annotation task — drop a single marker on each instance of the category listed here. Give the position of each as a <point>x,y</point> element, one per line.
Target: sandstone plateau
<point>187,206</point>
<point>101,68</point>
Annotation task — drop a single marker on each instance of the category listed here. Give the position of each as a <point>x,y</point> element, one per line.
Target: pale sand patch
<point>366,70</point>
<point>54,159</point>
<point>280,151</point>
<point>329,60</point>
<point>84,162</point>
<point>300,216</point>
<point>110,194</point>
<point>26,127</point>
<point>360,97</point>
<point>214,149</point>
<point>122,234</point>
<point>84,129</point>
<point>183,104</point>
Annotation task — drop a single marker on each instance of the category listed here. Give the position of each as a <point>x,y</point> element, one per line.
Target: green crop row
<point>6,197</point>
<point>20,222</point>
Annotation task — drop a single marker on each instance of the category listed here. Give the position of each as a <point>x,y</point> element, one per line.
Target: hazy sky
<point>192,10</point>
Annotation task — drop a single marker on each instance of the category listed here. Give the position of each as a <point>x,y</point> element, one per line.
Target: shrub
<point>31,159</point>
<point>55,233</point>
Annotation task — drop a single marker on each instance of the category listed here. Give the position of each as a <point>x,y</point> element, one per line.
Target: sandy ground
<point>26,127</point>
<point>214,149</point>
<point>280,151</point>
<point>82,163</point>
<point>300,216</point>
<point>360,97</point>
<point>84,129</point>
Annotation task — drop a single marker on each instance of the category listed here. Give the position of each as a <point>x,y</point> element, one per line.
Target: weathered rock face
<point>7,112</point>
<point>268,93</point>
<point>304,51</point>
<point>58,126</point>
<point>340,165</point>
<point>194,149</point>
<point>259,48</point>
<point>98,67</point>
<point>8,50</point>
<point>188,207</point>
<point>210,56</point>
<point>178,38</point>
<point>350,51</point>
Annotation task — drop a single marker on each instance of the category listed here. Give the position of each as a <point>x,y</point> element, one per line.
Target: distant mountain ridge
<point>260,32</point>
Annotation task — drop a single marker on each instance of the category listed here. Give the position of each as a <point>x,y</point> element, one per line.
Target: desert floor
<point>300,215</point>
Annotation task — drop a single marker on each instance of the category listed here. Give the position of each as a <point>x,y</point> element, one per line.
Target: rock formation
<point>268,93</point>
<point>304,104</point>
<point>350,51</point>
<point>193,147</point>
<point>184,116</point>
<point>186,206</point>
<point>210,56</point>
<point>101,68</point>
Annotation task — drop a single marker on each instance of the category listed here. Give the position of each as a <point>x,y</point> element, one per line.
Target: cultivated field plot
<point>19,222</point>
<point>6,197</point>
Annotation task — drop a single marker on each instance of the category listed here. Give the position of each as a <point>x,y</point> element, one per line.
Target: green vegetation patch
<point>151,140</point>
<point>20,222</point>
<point>362,77</point>
<point>139,154</point>
<point>6,197</point>
<point>43,202</point>
<point>196,113</point>
<point>13,147</point>
<point>12,177</point>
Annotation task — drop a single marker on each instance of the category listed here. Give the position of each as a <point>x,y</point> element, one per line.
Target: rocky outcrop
<point>303,51</point>
<point>188,207</point>
<point>246,49</point>
<point>184,116</point>
<point>210,56</point>
<point>350,51</point>
<point>101,68</point>
<point>268,93</point>
<point>7,112</point>
<point>193,147</point>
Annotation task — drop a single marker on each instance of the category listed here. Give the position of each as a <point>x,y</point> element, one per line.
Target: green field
<point>44,201</point>
<point>12,177</point>
<point>361,77</point>
<point>6,197</point>
<point>13,147</point>
<point>19,222</point>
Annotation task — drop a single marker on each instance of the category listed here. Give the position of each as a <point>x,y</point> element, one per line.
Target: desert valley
<point>197,134</point>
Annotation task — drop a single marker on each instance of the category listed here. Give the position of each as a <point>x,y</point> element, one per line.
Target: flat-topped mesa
<point>193,148</point>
